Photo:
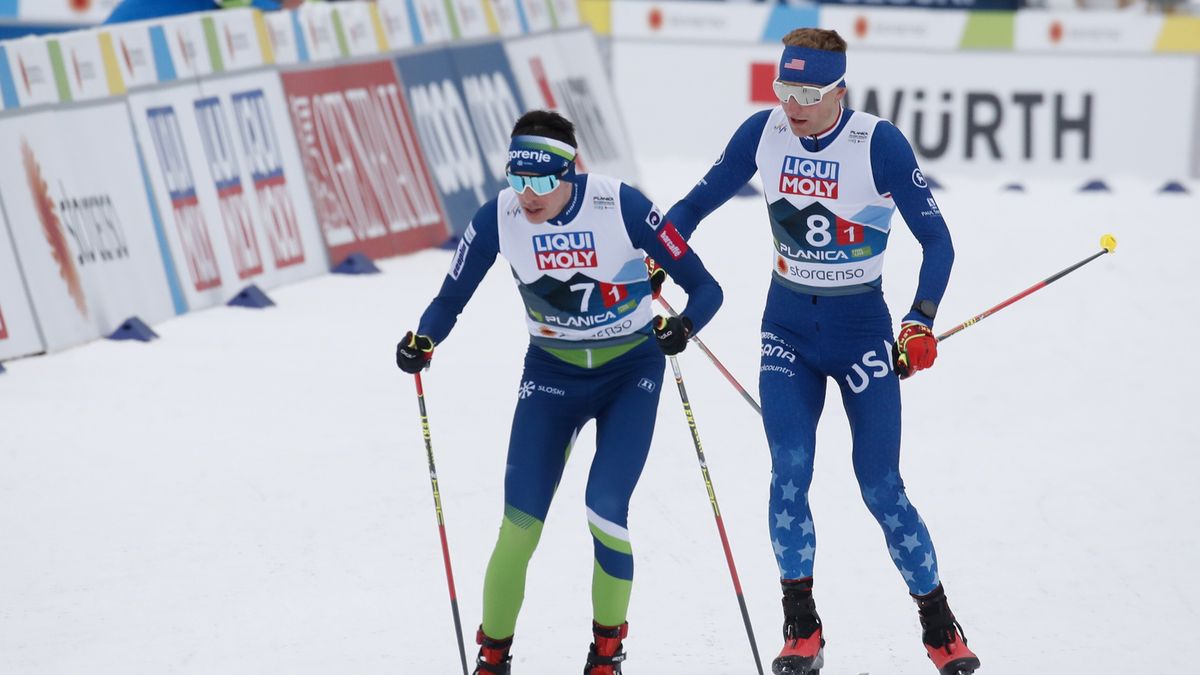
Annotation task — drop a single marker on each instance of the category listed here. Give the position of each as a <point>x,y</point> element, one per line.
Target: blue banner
<point>464,101</point>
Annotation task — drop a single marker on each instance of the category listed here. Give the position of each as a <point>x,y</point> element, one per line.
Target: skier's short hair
<point>546,123</point>
<point>815,38</point>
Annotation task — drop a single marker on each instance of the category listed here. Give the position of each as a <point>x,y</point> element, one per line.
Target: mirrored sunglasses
<point>541,185</point>
<point>802,93</point>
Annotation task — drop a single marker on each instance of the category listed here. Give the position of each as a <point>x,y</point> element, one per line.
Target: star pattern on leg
<point>789,491</point>
<point>892,521</point>
<point>807,526</point>
<point>869,495</point>
<point>902,501</point>
<point>797,457</point>
<point>807,552</point>
<point>908,576</point>
<point>779,548</point>
<point>892,479</point>
<point>895,553</point>
<point>784,520</point>
<point>773,477</point>
<point>928,562</point>
<point>911,541</point>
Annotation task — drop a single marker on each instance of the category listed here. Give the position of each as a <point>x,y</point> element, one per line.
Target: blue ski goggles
<point>541,185</point>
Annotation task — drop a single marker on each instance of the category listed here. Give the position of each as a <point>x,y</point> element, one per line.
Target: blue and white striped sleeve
<point>476,252</point>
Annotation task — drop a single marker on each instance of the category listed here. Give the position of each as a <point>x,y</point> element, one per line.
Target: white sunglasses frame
<point>786,90</point>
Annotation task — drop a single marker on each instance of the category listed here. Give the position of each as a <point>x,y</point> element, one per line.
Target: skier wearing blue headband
<point>833,177</point>
<point>576,244</point>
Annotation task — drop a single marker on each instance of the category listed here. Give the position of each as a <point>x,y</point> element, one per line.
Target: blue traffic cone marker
<point>133,328</point>
<point>356,263</point>
<point>251,296</point>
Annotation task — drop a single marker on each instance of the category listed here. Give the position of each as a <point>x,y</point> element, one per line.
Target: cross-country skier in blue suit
<point>577,245</point>
<point>833,178</point>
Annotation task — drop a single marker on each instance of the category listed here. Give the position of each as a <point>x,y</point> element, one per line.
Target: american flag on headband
<point>795,64</point>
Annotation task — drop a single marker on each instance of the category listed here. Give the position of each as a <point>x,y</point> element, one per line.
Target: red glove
<point>916,348</point>
<point>657,276</point>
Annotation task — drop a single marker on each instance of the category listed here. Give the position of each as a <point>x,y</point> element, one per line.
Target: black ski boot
<point>607,653</point>
<point>803,642</point>
<point>943,636</point>
<point>493,658</point>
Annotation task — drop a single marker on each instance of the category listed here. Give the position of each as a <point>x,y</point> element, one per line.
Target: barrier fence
<point>161,167</point>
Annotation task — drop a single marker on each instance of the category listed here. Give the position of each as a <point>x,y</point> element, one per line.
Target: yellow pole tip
<point>1108,243</point>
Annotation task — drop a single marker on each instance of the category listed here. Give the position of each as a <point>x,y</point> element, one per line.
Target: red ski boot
<point>803,642</point>
<point>606,653</point>
<point>943,637</point>
<point>493,656</point>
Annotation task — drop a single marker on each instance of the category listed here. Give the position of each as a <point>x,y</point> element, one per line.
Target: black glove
<point>672,334</point>
<point>413,353</point>
<point>657,276</point>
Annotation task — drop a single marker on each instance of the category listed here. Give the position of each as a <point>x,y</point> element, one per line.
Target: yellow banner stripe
<point>264,38</point>
<point>1179,34</point>
<point>112,69</point>
<point>377,24</point>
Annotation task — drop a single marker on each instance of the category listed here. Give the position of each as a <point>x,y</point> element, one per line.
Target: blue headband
<point>539,155</point>
<point>811,66</point>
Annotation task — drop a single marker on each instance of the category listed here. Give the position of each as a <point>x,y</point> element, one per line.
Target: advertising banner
<point>432,21</point>
<point>370,188</point>
<point>896,28</point>
<point>1034,114</point>
<point>363,34</point>
<point>462,143</point>
<point>471,19</point>
<point>588,100</point>
<point>183,47</point>
<point>985,5</point>
<point>566,13</point>
<point>83,65</point>
<point>286,34</point>
<point>74,189</point>
<point>64,11</point>
<point>320,32</point>
<point>32,72</point>
<point>234,39</point>
<point>1099,32</point>
<point>690,21</point>
<point>18,332</point>
<point>537,15</point>
<point>508,17</point>
<point>132,54</point>
<point>226,177</point>
<point>394,18</point>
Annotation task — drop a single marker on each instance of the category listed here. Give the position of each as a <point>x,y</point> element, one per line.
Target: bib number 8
<point>818,231</point>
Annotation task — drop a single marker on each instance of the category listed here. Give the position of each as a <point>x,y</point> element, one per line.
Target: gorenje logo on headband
<point>531,155</point>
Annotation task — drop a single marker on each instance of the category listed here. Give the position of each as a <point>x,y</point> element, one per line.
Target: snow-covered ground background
<point>249,494</point>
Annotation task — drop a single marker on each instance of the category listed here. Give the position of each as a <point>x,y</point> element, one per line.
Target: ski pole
<point>437,504</point>
<point>712,498</point>
<point>716,362</point>
<point>1108,244</point>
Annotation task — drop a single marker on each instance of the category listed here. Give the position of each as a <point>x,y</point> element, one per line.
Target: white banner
<point>508,21</point>
<point>472,22</point>
<point>67,11</point>
<point>32,74</point>
<point>227,178</point>
<point>896,27</point>
<point>358,26</point>
<point>537,14</point>
<point>690,21</point>
<point>18,332</point>
<point>74,192</point>
<point>1091,31</point>
<point>432,20</point>
<point>1032,115</point>
<point>237,39</point>
<point>583,93</point>
<point>281,30</point>
<point>83,65</point>
<point>393,15</point>
<point>187,45</point>
<point>134,53</point>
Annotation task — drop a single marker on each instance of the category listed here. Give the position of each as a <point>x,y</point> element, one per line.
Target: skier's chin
<point>535,215</point>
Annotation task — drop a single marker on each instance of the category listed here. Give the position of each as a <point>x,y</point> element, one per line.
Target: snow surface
<point>250,493</point>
